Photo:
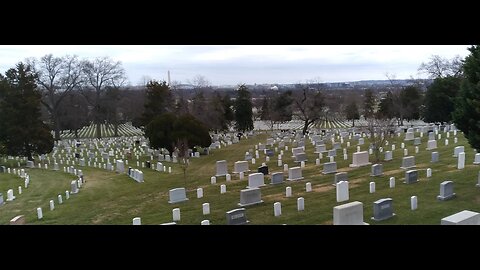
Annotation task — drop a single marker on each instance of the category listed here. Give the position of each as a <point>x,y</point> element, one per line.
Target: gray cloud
<point>250,64</point>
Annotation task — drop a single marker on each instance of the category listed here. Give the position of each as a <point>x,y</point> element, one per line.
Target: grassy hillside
<point>110,198</point>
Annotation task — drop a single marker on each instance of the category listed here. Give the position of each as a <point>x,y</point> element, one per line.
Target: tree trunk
<point>99,134</point>
<point>353,125</point>
<point>56,126</point>
<point>115,129</point>
<point>305,127</point>
<point>28,152</point>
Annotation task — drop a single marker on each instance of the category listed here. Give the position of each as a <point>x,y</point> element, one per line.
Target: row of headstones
<point>361,158</point>
<point>352,213</point>
<point>10,194</point>
<point>75,186</point>
<point>234,217</point>
<point>249,196</point>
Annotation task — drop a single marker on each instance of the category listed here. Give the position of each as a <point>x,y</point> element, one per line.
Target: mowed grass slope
<point>110,198</point>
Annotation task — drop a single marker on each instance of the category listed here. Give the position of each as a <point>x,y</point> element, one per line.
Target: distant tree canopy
<point>411,100</point>
<point>466,115</point>
<point>369,104</point>
<point>22,132</point>
<point>158,101</point>
<point>281,110</point>
<point>440,99</point>
<point>167,130</point>
<point>351,112</point>
<point>386,108</point>
<point>74,113</point>
<point>243,109</point>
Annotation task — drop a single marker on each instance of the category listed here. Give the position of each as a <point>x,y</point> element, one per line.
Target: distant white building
<point>274,88</point>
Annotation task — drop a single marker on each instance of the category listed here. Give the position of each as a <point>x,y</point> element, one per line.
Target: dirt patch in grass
<point>277,197</point>
<point>323,188</point>
<point>392,172</point>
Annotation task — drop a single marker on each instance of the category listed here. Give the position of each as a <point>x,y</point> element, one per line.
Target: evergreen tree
<point>387,108</point>
<point>22,132</point>
<point>243,109</point>
<point>158,101</point>
<point>167,130</point>
<point>369,104</point>
<point>265,112</point>
<point>440,99</point>
<point>411,100</point>
<point>467,106</point>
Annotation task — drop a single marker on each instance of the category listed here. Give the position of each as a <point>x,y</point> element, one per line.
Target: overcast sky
<point>233,64</point>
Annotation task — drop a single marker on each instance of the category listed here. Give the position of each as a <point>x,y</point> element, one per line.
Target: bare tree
<point>99,74</point>
<point>396,89</point>
<point>309,104</point>
<point>57,76</point>
<point>379,131</point>
<point>441,67</point>
<point>181,147</point>
<point>200,82</point>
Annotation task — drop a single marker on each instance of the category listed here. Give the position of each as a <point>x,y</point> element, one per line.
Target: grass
<point>110,198</point>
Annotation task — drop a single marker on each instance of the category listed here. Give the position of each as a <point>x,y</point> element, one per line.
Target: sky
<point>236,64</point>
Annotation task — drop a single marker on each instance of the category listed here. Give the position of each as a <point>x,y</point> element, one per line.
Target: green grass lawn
<point>110,198</point>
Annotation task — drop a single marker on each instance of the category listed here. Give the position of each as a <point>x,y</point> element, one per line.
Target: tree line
<point>57,93</point>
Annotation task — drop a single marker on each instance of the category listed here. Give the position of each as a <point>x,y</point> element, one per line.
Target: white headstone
<point>137,221</point>
<point>19,190</point>
<point>461,160</point>
<point>429,172</point>
<point>223,189</point>
<point>206,208</point>
<point>199,193</point>
<point>372,187</point>
<point>221,168</point>
<point>288,192</point>
<point>302,164</point>
<point>392,182</point>
<point>464,217</point>
<point>10,196</point>
<point>256,180</point>
<point>241,175</point>
<point>413,202</point>
<point>300,204</point>
<point>39,213</point>
<point>279,163</point>
<point>308,187</point>
<point>205,222</point>
<point>60,200</point>
<point>285,167</point>
<point>342,191</point>
<point>176,214</point>
<point>228,177</point>
<point>213,180</point>
<point>67,195</point>
<point>294,174</point>
<point>360,159</point>
<point>277,209</point>
<point>405,152</point>
<point>52,205</point>
<point>348,214</point>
